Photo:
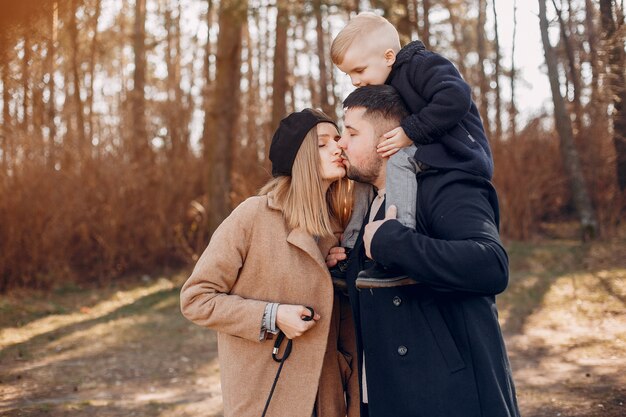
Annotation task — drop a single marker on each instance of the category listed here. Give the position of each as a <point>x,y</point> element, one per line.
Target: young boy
<point>444,130</point>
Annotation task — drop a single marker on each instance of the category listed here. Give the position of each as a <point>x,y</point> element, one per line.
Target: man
<point>432,349</point>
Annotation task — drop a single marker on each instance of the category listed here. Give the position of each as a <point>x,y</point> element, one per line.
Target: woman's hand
<point>335,255</point>
<point>289,319</point>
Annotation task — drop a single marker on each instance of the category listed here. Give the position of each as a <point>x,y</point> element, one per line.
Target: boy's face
<point>367,64</point>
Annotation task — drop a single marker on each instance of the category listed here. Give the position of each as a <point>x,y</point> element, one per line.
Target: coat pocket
<point>442,336</point>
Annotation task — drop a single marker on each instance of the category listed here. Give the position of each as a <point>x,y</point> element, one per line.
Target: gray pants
<point>400,191</point>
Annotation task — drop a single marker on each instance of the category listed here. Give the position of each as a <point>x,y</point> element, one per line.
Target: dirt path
<point>126,351</point>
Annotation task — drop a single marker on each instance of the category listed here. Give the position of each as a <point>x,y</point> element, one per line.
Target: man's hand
<point>394,140</point>
<point>335,255</point>
<point>372,227</point>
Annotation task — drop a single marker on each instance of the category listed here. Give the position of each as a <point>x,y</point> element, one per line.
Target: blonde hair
<point>365,25</point>
<point>301,195</point>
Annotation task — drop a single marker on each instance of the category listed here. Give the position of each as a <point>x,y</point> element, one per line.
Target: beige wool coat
<point>252,259</point>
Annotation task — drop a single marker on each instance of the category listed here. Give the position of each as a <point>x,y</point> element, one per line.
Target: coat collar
<point>303,240</point>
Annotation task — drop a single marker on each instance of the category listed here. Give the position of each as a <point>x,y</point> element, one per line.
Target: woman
<point>264,265</point>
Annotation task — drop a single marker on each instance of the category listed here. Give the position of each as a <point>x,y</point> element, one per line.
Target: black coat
<point>444,122</point>
<point>435,349</point>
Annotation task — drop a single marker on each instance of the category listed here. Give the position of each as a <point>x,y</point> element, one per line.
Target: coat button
<point>402,350</point>
<point>397,301</point>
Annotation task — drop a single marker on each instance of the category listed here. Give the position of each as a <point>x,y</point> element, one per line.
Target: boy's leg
<point>401,185</point>
<point>400,191</point>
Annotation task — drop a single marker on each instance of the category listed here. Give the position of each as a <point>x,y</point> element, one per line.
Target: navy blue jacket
<point>435,349</point>
<point>445,124</point>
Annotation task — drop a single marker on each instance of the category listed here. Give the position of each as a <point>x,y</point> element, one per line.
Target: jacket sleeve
<point>448,98</point>
<point>205,298</point>
<point>463,250</point>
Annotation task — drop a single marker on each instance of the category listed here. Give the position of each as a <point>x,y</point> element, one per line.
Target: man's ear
<point>390,57</point>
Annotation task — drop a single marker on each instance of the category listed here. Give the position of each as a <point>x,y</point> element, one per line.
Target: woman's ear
<point>390,57</point>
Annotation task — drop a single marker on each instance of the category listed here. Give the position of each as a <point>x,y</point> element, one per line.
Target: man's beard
<point>367,174</point>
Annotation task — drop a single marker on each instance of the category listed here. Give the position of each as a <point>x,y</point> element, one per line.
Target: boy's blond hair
<point>301,195</point>
<point>365,25</point>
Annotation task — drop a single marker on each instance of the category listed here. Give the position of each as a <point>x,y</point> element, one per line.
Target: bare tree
<point>496,74</point>
<point>513,76</point>
<point>572,65</point>
<point>82,145</point>
<point>571,159</point>
<point>592,42</point>
<point>26,82</point>
<point>51,69</point>
<point>279,79</point>
<point>139,140</point>
<point>206,95</point>
<point>225,108</point>
<point>425,32</point>
<point>485,88</point>
<point>175,117</point>
<point>322,56</point>
<point>457,38</point>
<point>405,26</point>
<point>92,64</point>
<point>614,48</point>
<point>5,132</point>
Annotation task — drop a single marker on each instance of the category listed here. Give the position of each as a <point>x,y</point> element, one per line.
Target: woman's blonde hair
<point>301,195</point>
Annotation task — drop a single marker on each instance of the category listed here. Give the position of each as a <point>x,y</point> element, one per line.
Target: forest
<point>131,129</point>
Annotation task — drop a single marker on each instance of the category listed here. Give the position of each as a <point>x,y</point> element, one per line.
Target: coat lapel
<point>302,240</point>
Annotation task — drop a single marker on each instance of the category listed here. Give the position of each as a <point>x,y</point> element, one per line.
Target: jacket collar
<point>404,55</point>
<point>303,240</point>
<point>407,52</point>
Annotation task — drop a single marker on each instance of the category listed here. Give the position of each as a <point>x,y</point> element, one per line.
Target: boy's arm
<point>447,95</point>
<point>463,252</point>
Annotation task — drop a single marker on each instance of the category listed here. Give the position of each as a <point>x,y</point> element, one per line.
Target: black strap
<point>281,360</point>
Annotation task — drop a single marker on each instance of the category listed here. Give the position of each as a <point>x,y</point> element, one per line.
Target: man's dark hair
<point>381,103</point>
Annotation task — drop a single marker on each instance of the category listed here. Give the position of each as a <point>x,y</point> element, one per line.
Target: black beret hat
<point>289,136</point>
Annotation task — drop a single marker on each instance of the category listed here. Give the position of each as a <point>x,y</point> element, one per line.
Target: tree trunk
<point>206,97</point>
<point>425,34</point>
<point>26,83</point>
<point>51,69</point>
<point>405,27</point>
<point>457,41</point>
<point>571,160</point>
<point>175,117</point>
<point>139,140</point>
<point>225,108</point>
<point>279,78</point>
<point>82,145</point>
<point>614,48</point>
<point>322,57</point>
<point>485,88</point>
<point>592,40</point>
<point>513,76</point>
<point>496,74</point>
<point>573,67</point>
<point>5,132</point>
<point>92,66</point>
<point>293,63</point>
